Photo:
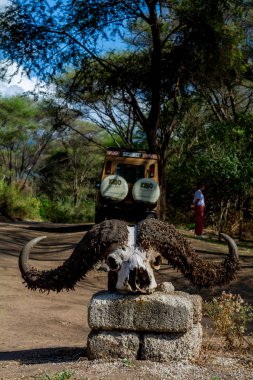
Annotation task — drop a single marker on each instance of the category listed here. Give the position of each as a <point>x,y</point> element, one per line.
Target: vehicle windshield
<point>131,173</point>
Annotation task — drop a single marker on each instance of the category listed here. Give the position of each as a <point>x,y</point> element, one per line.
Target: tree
<point>218,153</point>
<point>67,175</point>
<point>25,131</point>
<point>168,42</point>
<point>69,170</point>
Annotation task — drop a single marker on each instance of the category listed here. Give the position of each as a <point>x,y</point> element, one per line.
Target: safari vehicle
<point>129,186</point>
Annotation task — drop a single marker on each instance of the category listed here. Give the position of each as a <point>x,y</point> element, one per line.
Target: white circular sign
<point>146,190</point>
<point>114,187</point>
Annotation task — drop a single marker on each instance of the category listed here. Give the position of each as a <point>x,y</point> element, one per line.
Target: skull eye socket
<point>156,262</point>
<point>114,262</point>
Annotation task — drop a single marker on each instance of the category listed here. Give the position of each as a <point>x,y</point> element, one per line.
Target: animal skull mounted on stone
<point>131,259</point>
<point>131,270</point>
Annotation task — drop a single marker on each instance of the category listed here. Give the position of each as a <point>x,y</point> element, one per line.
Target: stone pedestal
<point>162,326</point>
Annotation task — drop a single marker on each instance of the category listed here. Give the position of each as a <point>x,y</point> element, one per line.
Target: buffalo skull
<point>131,260</point>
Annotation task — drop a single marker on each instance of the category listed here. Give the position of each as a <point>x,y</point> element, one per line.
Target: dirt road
<point>41,333</point>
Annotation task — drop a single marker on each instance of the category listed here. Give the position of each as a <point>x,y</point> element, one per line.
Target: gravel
<point>216,368</point>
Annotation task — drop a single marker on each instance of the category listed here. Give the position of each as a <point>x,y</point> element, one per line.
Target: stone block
<point>174,346</point>
<point>197,305</point>
<point>165,287</point>
<point>156,312</point>
<point>113,345</point>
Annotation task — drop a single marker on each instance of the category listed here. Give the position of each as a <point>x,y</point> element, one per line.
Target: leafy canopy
<point>169,47</point>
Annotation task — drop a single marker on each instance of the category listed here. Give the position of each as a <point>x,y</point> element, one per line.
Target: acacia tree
<point>69,169</point>
<point>226,101</point>
<point>25,131</point>
<point>215,145</point>
<point>170,45</point>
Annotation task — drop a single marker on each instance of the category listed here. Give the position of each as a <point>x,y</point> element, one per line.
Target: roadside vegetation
<point>50,173</point>
<point>174,77</point>
<point>230,316</point>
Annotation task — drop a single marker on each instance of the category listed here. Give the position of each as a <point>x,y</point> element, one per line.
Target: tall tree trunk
<point>162,176</point>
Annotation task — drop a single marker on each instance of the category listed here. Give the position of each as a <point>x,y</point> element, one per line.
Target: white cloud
<point>17,82</point>
<point>4,3</point>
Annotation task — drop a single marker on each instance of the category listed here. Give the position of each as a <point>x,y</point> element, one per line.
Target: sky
<point>3,3</point>
<point>17,84</point>
<point>20,82</point>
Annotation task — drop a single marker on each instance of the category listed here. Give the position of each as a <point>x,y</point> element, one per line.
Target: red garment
<point>199,219</point>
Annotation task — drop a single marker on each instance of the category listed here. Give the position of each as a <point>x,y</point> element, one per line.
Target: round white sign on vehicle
<point>114,187</point>
<point>146,190</point>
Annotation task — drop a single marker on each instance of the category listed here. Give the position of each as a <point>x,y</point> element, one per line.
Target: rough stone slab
<point>157,312</point>
<point>113,345</point>
<point>197,305</point>
<point>165,287</point>
<point>168,288</point>
<point>168,347</point>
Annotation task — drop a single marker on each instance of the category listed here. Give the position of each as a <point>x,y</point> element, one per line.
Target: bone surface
<point>134,271</point>
<point>132,236</point>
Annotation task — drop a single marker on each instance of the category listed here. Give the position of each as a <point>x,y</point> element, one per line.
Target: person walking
<point>199,206</point>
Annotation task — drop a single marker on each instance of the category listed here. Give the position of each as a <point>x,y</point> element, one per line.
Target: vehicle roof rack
<point>130,150</point>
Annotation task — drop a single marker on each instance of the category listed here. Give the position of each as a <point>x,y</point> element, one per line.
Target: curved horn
<point>233,250</point>
<point>94,246</point>
<point>25,253</point>
<point>164,238</point>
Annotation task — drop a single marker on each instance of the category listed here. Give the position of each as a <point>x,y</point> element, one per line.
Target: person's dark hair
<point>200,184</point>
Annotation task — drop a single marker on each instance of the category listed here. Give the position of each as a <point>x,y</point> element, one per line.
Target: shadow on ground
<point>44,355</point>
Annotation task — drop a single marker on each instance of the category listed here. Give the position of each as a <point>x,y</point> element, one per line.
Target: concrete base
<point>113,345</point>
<point>157,312</point>
<point>154,347</point>
<point>161,327</point>
<point>168,347</point>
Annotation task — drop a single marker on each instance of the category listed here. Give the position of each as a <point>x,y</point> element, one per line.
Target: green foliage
<point>24,133</point>
<point>127,362</point>
<point>180,86</point>
<point>61,171</point>
<point>64,375</point>
<point>16,204</point>
<point>230,315</point>
<point>216,153</point>
<point>69,172</point>
<point>168,46</point>
<point>205,24</point>
<point>18,110</point>
<point>63,211</point>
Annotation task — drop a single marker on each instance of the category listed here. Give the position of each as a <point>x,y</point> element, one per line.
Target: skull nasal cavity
<point>156,262</point>
<point>138,279</point>
<point>113,263</point>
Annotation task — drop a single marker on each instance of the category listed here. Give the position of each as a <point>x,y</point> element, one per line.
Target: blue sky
<point>3,3</point>
<point>19,83</point>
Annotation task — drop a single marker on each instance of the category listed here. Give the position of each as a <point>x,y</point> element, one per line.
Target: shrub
<point>230,316</point>
<point>16,204</point>
<point>64,375</point>
<point>63,211</point>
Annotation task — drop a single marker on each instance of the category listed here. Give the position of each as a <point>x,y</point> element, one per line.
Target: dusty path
<point>47,333</point>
